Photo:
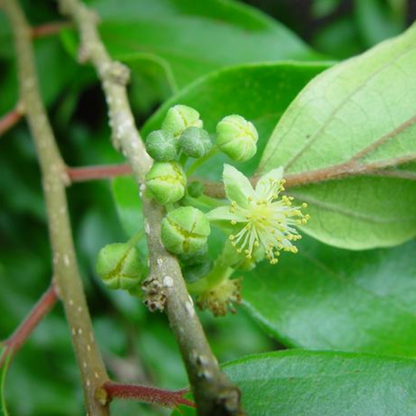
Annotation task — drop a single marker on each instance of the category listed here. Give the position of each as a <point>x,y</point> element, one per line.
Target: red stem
<point>90,173</point>
<point>49,29</point>
<point>147,394</point>
<point>10,119</point>
<point>20,335</point>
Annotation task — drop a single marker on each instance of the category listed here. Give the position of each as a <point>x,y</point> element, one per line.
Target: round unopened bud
<point>179,118</point>
<point>196,189</point>
<point>161,145</point>
<point>199,257</point>
<point>166,182</point>
<point>185,230</point>
<point>195,142</point>
<point>237,138</point>
<point>119,266</point>
<point>194,272</point>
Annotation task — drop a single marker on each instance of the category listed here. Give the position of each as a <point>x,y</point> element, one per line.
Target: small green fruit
<point>161,146</point>
<point>195,142</point>
<point>166,182</point>
<point>179,118</point>
<point>119,266</point>
<point>237,138</point>
<point>185,230</point>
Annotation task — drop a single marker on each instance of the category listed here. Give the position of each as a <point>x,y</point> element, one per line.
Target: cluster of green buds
<point>258,222</point>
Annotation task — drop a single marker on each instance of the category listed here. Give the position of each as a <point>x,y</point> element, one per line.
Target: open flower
<point>258,218</point>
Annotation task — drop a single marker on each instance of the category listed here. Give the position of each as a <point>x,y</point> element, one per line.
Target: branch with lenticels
<point>165,287</point>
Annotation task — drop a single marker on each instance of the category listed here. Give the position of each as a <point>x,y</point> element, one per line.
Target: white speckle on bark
<point>167,281</point>
<point>66,260</point>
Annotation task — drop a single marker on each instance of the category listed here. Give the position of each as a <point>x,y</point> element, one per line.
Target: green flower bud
<point>195,272</point>
<point>237,138</point>
<point>161,146</point>
<point>196,189</point>
<point>166,182</point>
<point>201,256</point>
<point>119,266</point>
<point>195,142</point>
<point>179,118</point>
<point>185,230</point>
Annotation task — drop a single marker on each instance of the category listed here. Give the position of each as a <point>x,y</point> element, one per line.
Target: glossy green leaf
<point>358,115</point>
<point>295,383</point>
<point>195,37</point>
<point>328,298</point>
<point>312,383</point>
<point>258,92</point>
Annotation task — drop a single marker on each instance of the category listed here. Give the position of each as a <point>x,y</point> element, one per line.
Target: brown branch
<point>49,29</point>
<point>90,173</point>
<point>10,119</point>
<point>213,392</point>
<point>343,170</point>
<point>20,335</point>
<point>147,394</point>
<point>67,279</point>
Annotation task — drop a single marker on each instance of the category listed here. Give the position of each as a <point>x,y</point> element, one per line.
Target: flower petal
<point>223,214</point>
<point>237,187</point>
<point>264,185</point>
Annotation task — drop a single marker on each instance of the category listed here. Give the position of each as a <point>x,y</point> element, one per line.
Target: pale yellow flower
<point>258,218</point>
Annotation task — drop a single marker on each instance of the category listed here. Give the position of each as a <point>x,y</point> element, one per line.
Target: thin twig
<point>67,280</point>
<point>344,170</point>
<point>10,119</point>
<point>21,334</point>
<point>49,29</point>
<point>213,392</point>
<point>147,394</point>
<point>90,173</point>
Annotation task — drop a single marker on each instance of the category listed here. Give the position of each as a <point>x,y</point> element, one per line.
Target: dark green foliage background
<point>137,345</point>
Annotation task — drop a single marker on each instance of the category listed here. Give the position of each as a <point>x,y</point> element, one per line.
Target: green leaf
<point>328,298</point>
<point>195,37</point>
<point>258,92</point>
<point>376,21</point>
<point>358,116</point>
<point>294,383</point>
<point>129,207</point>
<point>313,383</point>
